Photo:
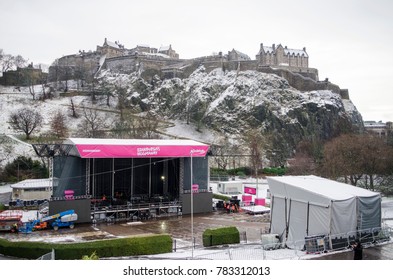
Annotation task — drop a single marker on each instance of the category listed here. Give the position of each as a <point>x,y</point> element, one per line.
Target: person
<point>357,250</point>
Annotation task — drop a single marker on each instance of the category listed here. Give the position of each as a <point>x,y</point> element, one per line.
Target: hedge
<point>219,236</point>
<point>129,246</point>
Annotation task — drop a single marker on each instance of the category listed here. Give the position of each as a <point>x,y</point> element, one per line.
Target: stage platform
<point>256,209</point>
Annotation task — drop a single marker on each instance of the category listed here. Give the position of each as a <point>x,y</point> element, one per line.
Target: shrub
<point>278,171</point>
<point>219,236</point>
<point>130,246</point>
<point>221,197</point>
<point>93,256</point>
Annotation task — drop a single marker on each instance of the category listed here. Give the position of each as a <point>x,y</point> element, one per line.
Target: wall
<point>302,83</point>
<point>23,77</point>
<point>203,202</point>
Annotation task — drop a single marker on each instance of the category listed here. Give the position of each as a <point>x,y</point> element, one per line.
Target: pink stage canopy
<point>137,148</point>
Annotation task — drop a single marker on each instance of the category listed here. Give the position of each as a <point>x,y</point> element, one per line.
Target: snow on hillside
<point>13,99</point>
<point>216,104</point>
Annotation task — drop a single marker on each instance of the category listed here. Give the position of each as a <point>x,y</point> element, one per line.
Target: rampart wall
<point>303,83</point>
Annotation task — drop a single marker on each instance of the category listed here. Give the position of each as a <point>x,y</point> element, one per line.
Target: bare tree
<point>136,127</point>
<point>9,62</point>
<point>341,158</point>
<point>222,150</point>
<point>148,126</point>
<point>357,157</point>
<point>73,110</point>
<point>26,121</point>
<point>93,123</point>
<point>121,99</point>
<point>19,61</point>
<point>58,125</point>
<point>305,159</point>
<point>257,145</point>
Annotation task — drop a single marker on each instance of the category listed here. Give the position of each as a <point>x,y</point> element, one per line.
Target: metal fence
<point>48,256</point>
<point>290,250</point>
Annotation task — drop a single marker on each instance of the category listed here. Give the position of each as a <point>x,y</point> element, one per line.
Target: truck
<point>56,221</point>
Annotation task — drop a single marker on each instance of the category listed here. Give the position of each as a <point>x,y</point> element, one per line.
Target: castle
<point>291,64</point>
<point>23,76</point>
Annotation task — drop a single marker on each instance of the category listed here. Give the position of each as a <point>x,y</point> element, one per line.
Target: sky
<point>348,41</point>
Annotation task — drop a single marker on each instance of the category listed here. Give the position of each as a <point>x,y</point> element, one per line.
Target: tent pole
<point>289,218</point>
<point>308,217</point>
<point>330,224</point>
<point>271,213</point>
<point>132,178</point>
<point>94,179</point>
<point>149,178</point>
<point>113,178</point>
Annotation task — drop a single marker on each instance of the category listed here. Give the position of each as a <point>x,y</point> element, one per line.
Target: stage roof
<point>136,148</point>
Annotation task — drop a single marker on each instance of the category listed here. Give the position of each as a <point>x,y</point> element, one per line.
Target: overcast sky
<point>348,41</point>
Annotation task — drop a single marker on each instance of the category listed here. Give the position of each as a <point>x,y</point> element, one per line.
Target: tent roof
<point>330,189</point>
<point>137,148</point>
<point>35,183</point>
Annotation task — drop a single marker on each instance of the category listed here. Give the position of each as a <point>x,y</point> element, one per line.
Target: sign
<point>250,190</point>
<point>195,188</point>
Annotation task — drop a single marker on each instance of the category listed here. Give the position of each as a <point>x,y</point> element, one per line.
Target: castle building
<point>236,55</point>
<point>143,49</point>
<point>23,76</point>
<point>380,128</point>
<point>111,49</point>
<point>167,50</point>
<point>282,56</point>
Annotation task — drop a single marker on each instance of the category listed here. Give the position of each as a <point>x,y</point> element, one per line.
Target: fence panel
<point>47,257</point>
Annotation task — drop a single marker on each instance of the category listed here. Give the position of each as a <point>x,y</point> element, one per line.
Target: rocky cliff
<point>234,102</point>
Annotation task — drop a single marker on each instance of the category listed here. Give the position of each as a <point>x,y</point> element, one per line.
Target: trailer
<point>10,220</point>
<point>56,221</point>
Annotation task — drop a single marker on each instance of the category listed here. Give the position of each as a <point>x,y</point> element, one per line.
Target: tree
<point>73,109</point>
<point>307,157</point>
<point>93,123</point>
<point>10,62</point>
<point>341,158</point>
<point>257,145</point>
<point>136,127</point>
<point>376,158</point>
<point>357,156</point>
<point>59,126</point>
<point>6,150</point>
<point>26,121</point>
<point>24,168</point>
<point>222,151</point>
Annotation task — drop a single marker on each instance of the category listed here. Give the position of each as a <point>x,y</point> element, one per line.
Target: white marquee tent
<point>303,206</point>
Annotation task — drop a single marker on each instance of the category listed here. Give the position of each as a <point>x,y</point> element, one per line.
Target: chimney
<point>274,47</point>
<point>304,49</point>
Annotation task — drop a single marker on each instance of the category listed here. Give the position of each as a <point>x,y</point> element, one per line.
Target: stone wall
<point>79,67</point>
<point>302,83</point>
<point>23,77</point>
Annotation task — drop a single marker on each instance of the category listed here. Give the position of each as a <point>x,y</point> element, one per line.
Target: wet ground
<point>250,226</point>
<point>179,227</point>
